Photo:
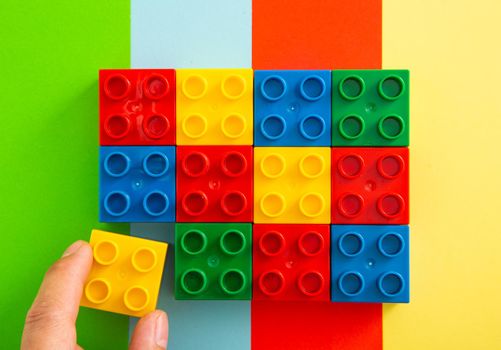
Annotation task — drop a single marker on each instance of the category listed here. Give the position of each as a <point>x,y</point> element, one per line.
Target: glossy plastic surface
<point>370,185</point>
<point>291,262</point>
<point>292,185</point>
<point>214,106</point>
<point>292,108</point>
<point>370,108</point>
<point>370,263</point>
<point>214,183</point>
<point>137,183</point>
<point>213,261</point>
<point>137,107</point>
<point>125,275</point>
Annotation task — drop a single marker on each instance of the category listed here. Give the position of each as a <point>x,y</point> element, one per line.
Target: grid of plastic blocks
<point>370,263</point>
<point>291,262</point>
<point>292,185</point>
<point>214,107</point>
<point>213,261</point>
<point>292,108</point>
<point>370,185</point>
<point>370,108</point>
<point>260,170</point>
<point>125,275</point>
<point>137,184</point>
<point>214,183</point>
<point>137,107</point>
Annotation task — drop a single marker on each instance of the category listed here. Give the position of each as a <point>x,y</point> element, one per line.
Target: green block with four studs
<point>213,261</point>
<point>370,108</point>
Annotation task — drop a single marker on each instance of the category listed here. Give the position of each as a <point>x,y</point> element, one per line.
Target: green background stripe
<point>49,58</point>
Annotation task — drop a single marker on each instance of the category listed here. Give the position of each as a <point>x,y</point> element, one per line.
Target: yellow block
<point>125,275</point>
<point>453,51</point>
<point>214,106</point>
<point>292,185</point>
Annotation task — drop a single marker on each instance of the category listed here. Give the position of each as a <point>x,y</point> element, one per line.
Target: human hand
<point>50,322</point>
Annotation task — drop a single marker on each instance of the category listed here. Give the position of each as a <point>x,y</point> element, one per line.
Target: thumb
<point>151,332</point>
<point>50,323</point>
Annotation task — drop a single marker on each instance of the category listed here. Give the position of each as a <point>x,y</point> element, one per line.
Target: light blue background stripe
<point>196,324</point>
<point>185,34</point>
<point>191,33</point>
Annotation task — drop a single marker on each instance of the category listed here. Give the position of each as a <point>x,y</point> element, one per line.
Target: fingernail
<point>161,330</point>
<point>72,248</point>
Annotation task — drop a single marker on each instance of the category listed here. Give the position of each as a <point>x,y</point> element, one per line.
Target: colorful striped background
<point>50,55</point>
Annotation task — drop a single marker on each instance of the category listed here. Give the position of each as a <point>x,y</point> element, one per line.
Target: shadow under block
<point>125,275</point>
<point>214,183</point>
<point>137,107</point>
<point>214,106</point>
<point>137,183</point>
<point>291,262</point>
<point>292,185</point>
<point>292,108</point>
<point>213,261</point>
<point>370,263</point>
<point>370,185</point>
<point>370,108</point>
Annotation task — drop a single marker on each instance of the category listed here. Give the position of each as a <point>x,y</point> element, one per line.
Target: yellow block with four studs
<point>214,107</point>
<point>292,185</point>
<point>126,274</point>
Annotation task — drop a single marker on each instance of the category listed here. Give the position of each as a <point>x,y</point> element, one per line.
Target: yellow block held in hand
<point>125,275</point>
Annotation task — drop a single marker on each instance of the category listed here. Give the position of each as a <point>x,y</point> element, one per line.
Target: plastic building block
<point>214,183</point>
<point>125,275</point>
<point>292,185</point>
<point>291,262</point>
<point>370,263</point>
<point>137,107</point>
<point>292,108</point>
<point>213,261</point>
<point>214,107</point>
<point>370,108</point>
<point>370,185</point>
<point>137,184</point>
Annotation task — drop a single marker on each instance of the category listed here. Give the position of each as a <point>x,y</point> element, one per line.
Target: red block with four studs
<point>370,185</point>
<point>291,262</point>
<point>137,107</point>
<point>214,183</point>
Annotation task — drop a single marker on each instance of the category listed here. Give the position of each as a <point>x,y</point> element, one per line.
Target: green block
<point>213,261</point>
<point>370,108</point>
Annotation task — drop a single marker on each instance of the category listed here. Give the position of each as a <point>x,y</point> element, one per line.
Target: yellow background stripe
<point>454,52</point>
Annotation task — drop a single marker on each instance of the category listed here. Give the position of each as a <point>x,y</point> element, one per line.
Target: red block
<point>214,183</point>
<point>137,107</point>
<point>370,185</point>
<point>291,262</point>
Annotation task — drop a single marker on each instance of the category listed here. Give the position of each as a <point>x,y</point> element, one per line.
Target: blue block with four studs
<point>292,108</point>
<point>370,263</point>
<point>137,184</point>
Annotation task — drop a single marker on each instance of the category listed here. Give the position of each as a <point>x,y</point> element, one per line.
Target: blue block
<point>137,184</point>
<point>292,108</point>
<point>370,263</point>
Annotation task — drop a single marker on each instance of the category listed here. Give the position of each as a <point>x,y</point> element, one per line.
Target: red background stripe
<point>316,34</point>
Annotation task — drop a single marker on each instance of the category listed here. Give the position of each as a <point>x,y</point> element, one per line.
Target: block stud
<point>156,86</point>
<point>98,290</point>
<point>105,252</point>
<point>136,298</point>
<point>311,283</point>
<point>144,259</point>
<point>232,281</point>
